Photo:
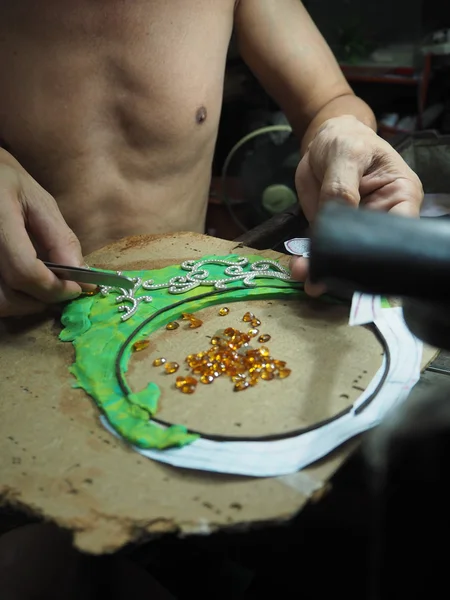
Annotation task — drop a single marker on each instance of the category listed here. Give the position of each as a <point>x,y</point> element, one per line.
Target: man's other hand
<point>348,161</point>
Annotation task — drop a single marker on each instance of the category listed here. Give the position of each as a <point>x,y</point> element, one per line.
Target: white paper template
<point>400,370</point>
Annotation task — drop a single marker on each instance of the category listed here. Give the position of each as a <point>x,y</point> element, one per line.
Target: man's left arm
<point>342,156</point>
<point>287,53</point>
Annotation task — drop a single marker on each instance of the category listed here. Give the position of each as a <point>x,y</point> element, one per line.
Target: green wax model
<point>104,327</point>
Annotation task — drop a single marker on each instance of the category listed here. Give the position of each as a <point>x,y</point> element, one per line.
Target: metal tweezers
<point>89,275</point>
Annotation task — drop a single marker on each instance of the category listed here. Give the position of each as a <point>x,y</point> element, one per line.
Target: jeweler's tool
<point>89,275</point>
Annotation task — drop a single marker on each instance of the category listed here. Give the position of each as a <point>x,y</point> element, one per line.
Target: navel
<point>201,115</point>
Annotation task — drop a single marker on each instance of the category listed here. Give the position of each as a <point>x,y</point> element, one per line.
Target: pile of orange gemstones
<point>230,355</point>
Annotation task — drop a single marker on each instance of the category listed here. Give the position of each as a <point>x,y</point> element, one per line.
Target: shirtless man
<point>109,112</point>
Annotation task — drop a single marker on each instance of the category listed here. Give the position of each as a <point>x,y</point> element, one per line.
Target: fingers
<point>308,188</point>
<point>299,268</point>
<point>341,181</point>
<point>356,166</point>
<point>299,271</point>
<point>314,289</point>
<point>401,197</point>
<point>56,240</point>
<point>406,209</point>
<point>54,237</point>
<point>20,269</point>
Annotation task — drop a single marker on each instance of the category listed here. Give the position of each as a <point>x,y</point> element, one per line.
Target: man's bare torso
<point>113,107</point>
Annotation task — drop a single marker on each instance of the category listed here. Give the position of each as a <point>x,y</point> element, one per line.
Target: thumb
<point>341,181</point>
<point>299,268</point>
<point>54,237</point>
<point>299,272</point>
<point>52,234</point>
<point>64,248</point>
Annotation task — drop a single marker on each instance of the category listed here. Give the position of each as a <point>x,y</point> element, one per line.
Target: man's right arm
<point>31,228</point>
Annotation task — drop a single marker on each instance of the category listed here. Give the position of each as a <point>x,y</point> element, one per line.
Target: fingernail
<point>90,291</point>
<point>73,295</point>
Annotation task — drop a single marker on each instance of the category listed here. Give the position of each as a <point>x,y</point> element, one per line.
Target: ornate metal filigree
<point>234,272</point>
<point>197,276</point>
<point>128,296</point>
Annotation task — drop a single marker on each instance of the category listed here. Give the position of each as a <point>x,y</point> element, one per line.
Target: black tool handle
<point>378,253</point>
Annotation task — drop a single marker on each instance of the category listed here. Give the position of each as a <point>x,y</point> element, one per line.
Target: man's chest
<point>180,36</point>
<point>152,68</point>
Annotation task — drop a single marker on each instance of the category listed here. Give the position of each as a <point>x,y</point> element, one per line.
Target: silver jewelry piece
<point>126,296</point>
<point>234,271</point>
<point>198,276</point>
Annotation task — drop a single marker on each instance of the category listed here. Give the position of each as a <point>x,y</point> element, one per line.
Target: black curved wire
<point>221,438</point>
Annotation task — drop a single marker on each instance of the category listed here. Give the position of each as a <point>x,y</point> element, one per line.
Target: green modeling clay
<point>104,327</point>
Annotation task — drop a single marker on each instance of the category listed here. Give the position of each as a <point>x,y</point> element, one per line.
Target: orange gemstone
<point>188,389</point>
<point>238,377</point>
<point>229,332</point>
<point>206,378</point>
<point>264,351</point>
<point>255,371</point>
<point>172,325</point>
<point>180,381</point>
<point>195,323</point>
<point>92,293</point>
<point>280,364</point>
<point>267,375</point>
<point>141,345</point>
<point>159,362</point>
<point>223,312</point>
<point>253,381</point>
<point>270,367</point>
<point>240,386</point>
<point>187,316</point>
<point>283,373</point>
<point>248,317</point>
<point>264,338</point>
<point>171,367</point>
<point>252,351</point>
<point>215,341</point>
<point>256,322</point>
<point>252,332</point>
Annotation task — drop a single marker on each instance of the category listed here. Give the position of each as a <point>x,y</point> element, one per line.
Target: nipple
<point>201,115</point>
